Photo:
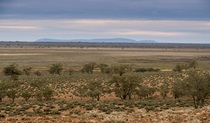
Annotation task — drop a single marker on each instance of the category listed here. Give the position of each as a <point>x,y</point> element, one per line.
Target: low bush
<point>146,70</point>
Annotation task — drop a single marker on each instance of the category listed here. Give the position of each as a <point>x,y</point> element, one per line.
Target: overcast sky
<point>173,21</point>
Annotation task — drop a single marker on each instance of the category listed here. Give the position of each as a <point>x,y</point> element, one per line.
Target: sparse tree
<point>95,89</point>
<point>12,71</point>
<point>12,94</point>
<point>120,69</point>
<point>88,68</point>
<point>47,93</point>
<point>125,86</point>
<point>177,89</point>
<point>26,95</point>
<point>197,86</point>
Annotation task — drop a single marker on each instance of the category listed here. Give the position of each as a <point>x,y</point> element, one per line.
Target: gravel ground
<point>172,115</point>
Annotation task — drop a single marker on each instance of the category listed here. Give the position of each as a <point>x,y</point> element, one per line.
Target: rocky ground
<point>172,115</point>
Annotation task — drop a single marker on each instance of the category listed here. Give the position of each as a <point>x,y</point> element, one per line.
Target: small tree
<point>12,71</point>
<point>12,94</point>
<point>47,93</point>
<point>26,95</point>
<point>124,86</point>
<point>88,68</point>
<point>56,69</point>
<point>197,85</point>
<point>120,69</point>
<point>95,89</point>
<point>177,89</point>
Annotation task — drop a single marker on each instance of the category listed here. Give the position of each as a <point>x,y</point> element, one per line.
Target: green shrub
<point>56,69</point>
<point>147,70</point>
<point>11,70</point>
<point>47,93</point>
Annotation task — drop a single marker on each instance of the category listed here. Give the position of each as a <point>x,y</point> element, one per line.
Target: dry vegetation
<point>70,102</point>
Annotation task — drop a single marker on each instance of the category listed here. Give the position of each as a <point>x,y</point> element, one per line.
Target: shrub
<point>56,69</point>
<point>11,70</point>
<point>88,68</point>
<point>120,69</point>
<point>38,73</point>
<point>146,70</point>
<point>47,93</point>
<point>103,67</point>
<point>27,70</point>
<point>145,91</point>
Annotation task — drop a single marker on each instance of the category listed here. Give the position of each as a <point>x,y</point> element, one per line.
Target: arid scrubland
<point>110,85</point>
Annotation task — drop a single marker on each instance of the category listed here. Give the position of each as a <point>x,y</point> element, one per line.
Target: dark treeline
<point>101,44</point>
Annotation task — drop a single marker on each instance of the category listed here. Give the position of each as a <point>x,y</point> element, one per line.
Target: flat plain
<point>66,106</point>
<point>164,58</point>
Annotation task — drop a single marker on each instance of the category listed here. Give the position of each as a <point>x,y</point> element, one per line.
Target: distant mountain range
<point>110,40</point>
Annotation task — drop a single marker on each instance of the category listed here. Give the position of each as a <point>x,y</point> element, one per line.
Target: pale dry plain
<point>164,58</point>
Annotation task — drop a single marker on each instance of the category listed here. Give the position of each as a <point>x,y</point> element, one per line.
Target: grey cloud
<point>105,9</point>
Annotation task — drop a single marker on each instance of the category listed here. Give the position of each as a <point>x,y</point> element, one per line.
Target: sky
<point>167,21</point>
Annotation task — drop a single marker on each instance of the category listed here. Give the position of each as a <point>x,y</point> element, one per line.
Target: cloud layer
<point>161,30</point>
<point>106,9</point>
<point>181,21</point>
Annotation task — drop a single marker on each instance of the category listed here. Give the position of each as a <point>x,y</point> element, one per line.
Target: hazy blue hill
<point>111,40</point>
<point>147,41</point>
